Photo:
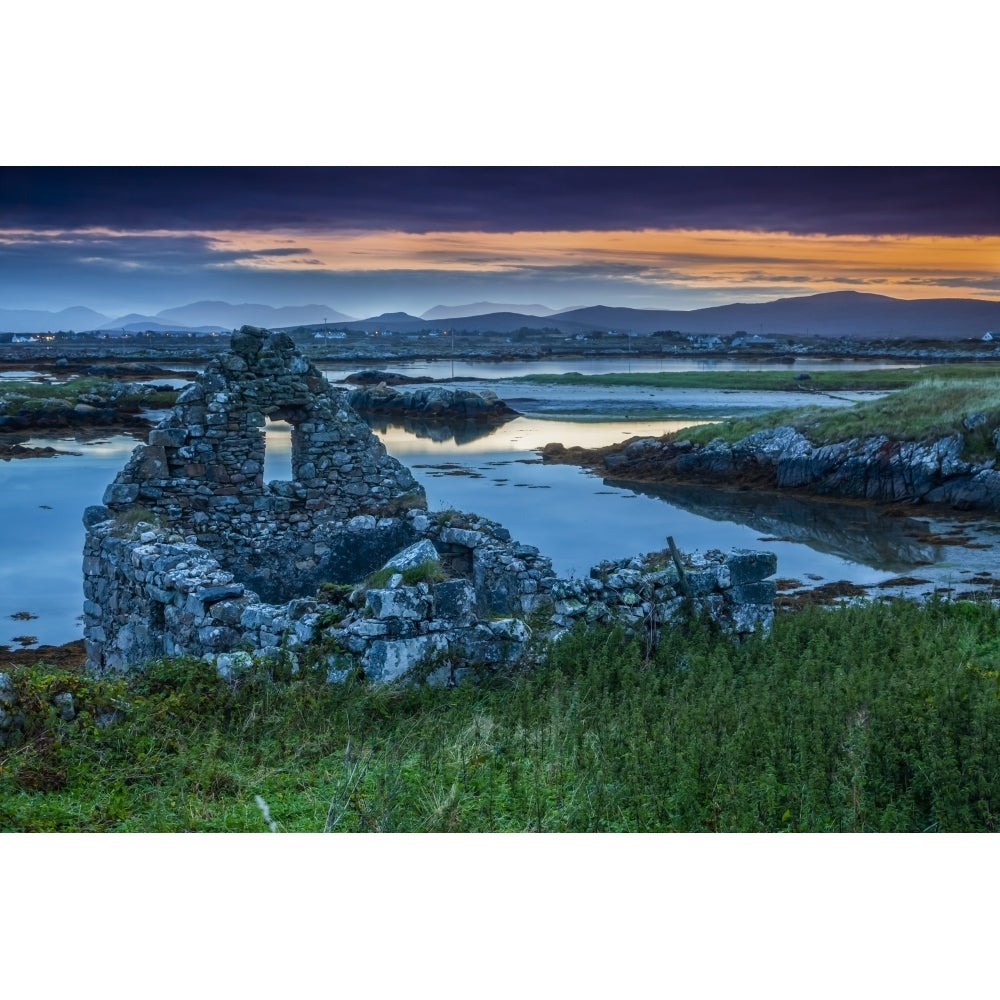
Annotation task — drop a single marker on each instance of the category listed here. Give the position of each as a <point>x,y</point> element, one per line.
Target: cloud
<point>948,281</point>
<point>368,273</point>
<point>831,200</point>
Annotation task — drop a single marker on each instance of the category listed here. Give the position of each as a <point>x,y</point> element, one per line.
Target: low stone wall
<point>12,711</point>
<point>150,594</point>
<point>643,592</point>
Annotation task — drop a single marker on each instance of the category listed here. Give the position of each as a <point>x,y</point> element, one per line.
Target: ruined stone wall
<point>202,471</point>
<point>193,554</point>
<point>151,594</point>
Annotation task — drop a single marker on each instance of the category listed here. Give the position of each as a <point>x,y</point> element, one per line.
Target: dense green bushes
<point>878,717</point>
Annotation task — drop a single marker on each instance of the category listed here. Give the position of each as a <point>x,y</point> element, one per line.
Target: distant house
<point>988,335</point>
<point>756,340</point>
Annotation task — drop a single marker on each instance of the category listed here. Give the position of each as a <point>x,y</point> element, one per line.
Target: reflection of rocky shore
<point>14,449</point>
<point>855,532</point>
<point>438,430</point>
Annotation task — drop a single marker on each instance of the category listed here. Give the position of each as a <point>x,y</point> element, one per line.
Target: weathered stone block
<point>121,493</point>
<point>209,595</point>
<point>461,536</point>
<point>762,592</point>
<point>404,602</point>
<point>387,661</point>
<point>453,598</point>
<point>412,556</point>
<point>63,703</point>
<point>6,690</point>
<point>746,566</point>
<point>170,437</point>
<point>702,581</point>
<point>510,630</point>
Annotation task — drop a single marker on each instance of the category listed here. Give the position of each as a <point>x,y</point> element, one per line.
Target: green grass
<point>429,571</point>
<point>869,718</point>
<point>931,409</point>
<point>71,390</point>
<point>875,379</point>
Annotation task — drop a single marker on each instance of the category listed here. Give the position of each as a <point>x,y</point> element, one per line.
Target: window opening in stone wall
<point>277,451</point>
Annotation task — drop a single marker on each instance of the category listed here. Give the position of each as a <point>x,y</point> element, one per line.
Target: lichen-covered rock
<point>413,556</point>
<point>389,660</point>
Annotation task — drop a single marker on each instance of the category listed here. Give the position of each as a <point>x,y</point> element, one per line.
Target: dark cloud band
<point>833,200</point>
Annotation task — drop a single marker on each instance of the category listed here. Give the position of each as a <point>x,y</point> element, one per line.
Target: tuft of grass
<point>429,571</point>
<point>126,520</point>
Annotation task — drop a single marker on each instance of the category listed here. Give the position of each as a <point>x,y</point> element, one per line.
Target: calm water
<point>571,515</point>
<point>446,368</point>
<point>41,534</point>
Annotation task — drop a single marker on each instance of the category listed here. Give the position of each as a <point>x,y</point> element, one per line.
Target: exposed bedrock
<point>873,468</point>
<point>431,402</point>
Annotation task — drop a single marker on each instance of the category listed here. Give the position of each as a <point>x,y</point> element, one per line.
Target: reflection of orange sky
<point>707,257</point>
<point>527,433</point>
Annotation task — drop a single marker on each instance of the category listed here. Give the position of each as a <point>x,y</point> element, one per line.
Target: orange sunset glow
<point>364,241</point>
<point>905,266</point>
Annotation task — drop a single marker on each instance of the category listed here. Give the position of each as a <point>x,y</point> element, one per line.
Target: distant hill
<point>829,314</point>
<point>134,323</point>
<point>485,308</point>
<point>250,314</point>
<point>42,320</point>
<point>397,322</point>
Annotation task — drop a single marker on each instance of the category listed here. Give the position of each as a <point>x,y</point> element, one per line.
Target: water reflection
<point>526,434</point>
<point>439,431</point>
<point>854,532</point>
<point>41,531</point>
<point>461,369</point>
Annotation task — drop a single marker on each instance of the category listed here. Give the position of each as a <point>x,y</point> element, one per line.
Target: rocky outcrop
<point>432,402</point>
<point>872,468</point>
<point>117,405</point>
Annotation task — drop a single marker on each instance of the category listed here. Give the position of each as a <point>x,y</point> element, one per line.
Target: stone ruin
<point>193,553</point>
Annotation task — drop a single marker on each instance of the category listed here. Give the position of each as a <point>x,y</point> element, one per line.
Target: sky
<point>367,240</point>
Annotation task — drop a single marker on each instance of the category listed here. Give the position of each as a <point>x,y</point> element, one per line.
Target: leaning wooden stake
<point>680,569</point>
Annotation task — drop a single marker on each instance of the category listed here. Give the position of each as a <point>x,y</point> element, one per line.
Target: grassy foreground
<point>881,717</point>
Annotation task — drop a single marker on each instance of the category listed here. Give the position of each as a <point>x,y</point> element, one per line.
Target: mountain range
<point>828,314</point>
<point>485,309</point>
<point>197,317</point>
